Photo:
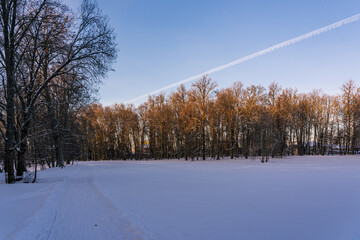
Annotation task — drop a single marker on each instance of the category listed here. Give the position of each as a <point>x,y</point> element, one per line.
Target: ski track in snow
<point>76,209</point>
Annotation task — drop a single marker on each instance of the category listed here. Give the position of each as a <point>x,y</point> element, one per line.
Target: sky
<point>165,41</point>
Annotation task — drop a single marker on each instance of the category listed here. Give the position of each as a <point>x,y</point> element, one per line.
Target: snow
<point>308,197</point>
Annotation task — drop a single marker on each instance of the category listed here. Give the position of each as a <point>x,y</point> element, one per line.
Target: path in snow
<point>300,198</point>
<point>78,210</point>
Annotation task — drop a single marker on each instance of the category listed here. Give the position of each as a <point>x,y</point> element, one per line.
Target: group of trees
<point>238,121</point>
<point>51,61</point>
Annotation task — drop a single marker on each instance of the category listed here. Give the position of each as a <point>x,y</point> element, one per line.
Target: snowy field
<point>292,198</point>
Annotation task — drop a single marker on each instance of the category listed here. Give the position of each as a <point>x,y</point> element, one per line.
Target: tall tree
<point>350,104</point>
<point>17,17</point>
<point>42,42</point>
<point>200,95</point>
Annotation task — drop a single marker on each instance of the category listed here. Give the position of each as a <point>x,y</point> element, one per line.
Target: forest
<point>53,60</point>
<point>234,122</point>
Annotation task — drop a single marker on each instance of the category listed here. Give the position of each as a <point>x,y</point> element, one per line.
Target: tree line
<point>239,121</point>
<point>51,62</point>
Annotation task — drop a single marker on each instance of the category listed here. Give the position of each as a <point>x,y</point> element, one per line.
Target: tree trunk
<point>9,48</point>
<point>21,164</point>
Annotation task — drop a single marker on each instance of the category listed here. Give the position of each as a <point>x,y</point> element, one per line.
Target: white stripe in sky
<point>292,41</point>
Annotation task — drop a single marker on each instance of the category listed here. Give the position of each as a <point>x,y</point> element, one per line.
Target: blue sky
<point>162,42</point>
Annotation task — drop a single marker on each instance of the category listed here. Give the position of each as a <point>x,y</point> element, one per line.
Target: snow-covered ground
<point>291,198</point>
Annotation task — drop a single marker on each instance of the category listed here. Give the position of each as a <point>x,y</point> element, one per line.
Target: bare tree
<point>350,104</point>
<point>44,43</point>
<point>17,17</point>
<point>200,95</point>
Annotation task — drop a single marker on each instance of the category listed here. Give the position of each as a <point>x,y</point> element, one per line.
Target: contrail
<point>292,41</point>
